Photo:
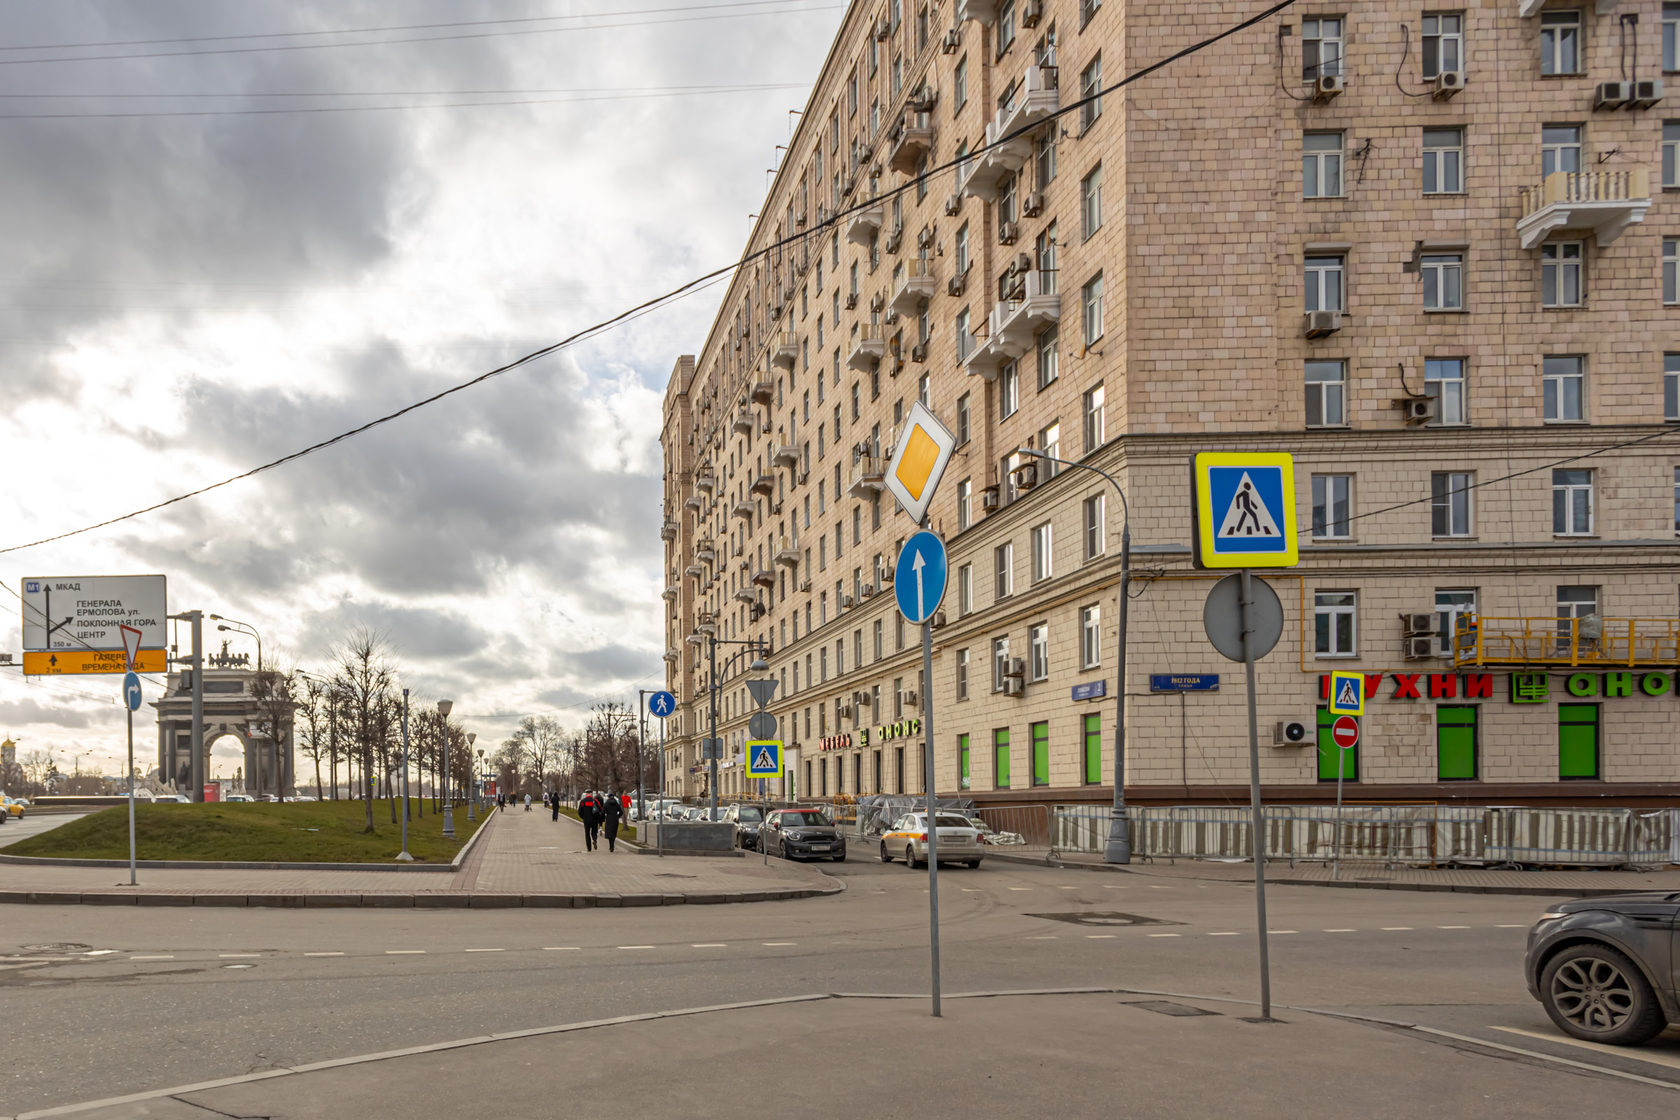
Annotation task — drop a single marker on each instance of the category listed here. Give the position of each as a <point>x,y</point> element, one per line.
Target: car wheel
<point>886,857</point>
<point>974,863</point>
<point>1594,992</point>
<point>910,857</point>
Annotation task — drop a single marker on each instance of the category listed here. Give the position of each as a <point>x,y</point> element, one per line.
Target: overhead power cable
<point>679,292</point>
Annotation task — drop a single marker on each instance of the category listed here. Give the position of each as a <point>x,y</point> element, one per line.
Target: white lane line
<point>154,957</point>
<point>1115,886</point>
<point>635,946</point>
<point>709,945</point>
<point>1397,929</point>
<point>1166,935</point>
<point>1272,931</point>
<point>1020,888</point>
<point>1653,1057</point>
<point>1516,926</point>
<point>777,944</point>
<point>1224,933</point>
<point>1042,937</point>
<point>1099,937</point>
<point>1452,927</point>
<point>100,952</point>
<point>323,954</point>
<point>405,952</point>
<point>1341,931</point>
<point>561,948</point>
<point>483,950</point>
<point>973,890</point>
<point>235,956</point>
<point>1062,888</point>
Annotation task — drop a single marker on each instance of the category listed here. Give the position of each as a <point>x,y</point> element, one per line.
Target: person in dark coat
<point>554,804</point>
<point>612,812</point>
<point>589,812</point>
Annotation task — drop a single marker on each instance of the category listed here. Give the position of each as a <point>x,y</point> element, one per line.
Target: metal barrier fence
<point>1021,829</point>
<point>1395,835</point>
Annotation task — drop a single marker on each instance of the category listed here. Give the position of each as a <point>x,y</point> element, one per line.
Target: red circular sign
<point>1345,732</point>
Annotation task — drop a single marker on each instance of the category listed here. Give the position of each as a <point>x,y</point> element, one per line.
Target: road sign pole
<point>195,768</point>
<point>1259,842</point>
<point>1341,764</point>
<point>659,829</point>
<point>131,860</point>
<point>932,820</point>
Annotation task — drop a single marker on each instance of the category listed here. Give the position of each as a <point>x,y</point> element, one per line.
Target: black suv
<point>747,820</point>
<point>1608,969</point>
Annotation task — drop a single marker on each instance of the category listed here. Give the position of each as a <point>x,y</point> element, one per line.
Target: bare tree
<point>312,705</point>
<point>366,675</point>
<point>272,692</point>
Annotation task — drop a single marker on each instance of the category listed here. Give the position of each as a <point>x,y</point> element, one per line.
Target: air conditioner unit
<point>1008,232</point>
<point>954,286</point>
<point>909,699</point>
<point>1026,477</point>
<point>894,239</point>
<point>989,498</point>
<point>887,577</point>
<point>877,301</point>
<point>804,585</point>
<point>862,699</point>
<point>845,711</point>
<point>1417,623</point>
<point>1033,204</point>
<point>1015,667</point>
<point>953,205</point>
<point>938,619</point>
<point>1418,410</point>
<point>924,238</point>
<point>868,591</point>
<point>851,300</point>
<point>918,352</point>
<point>1327,86</point>
<point>845,600</point>
<point>1612,95</point>
<point>890,318</point>
<point>952,41</point>
<point>1447,83</point>
<point>1023,262</point>
<point>1320,323</point>
<point>1032,13</point>
<point>1646,94</point>
<point>1013,686</point>
<point>1289,733</point>
<point>1420,648</point>
<point>883,29</point>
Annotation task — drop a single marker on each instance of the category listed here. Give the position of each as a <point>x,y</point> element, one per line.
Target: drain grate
<point>1104,918</point>
<point>1168,1007</point>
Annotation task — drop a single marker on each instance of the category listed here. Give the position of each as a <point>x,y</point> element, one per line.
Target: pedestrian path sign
<point>764,758</point>
<point>1347,694</point>
<point>1244,509</point>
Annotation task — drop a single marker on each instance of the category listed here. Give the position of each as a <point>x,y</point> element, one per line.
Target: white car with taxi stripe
<point>907,839</point>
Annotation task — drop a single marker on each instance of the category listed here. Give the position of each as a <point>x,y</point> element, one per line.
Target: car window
<point>807,818</point>
<point>953,821</point>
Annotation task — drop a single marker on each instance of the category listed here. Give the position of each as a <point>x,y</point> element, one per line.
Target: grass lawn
<point>626,830</point>
<point>263,832</point>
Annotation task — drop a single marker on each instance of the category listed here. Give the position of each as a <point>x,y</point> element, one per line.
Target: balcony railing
<point>914,288</point>
<point>869,476</point>
<point>1031,304</point>
<point>1586,641</point>
<point>1606,202</point>
<point>991,164</point>
<point>863,224</point>
<point>668,530</point>
<point>786,351</point>
<point>1035,98</point>
<point>869,349</point>
<point>705,480</point>
<point>743,423</point>
<point>788,553</point>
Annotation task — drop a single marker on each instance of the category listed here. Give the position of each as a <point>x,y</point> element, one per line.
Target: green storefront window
<point>1327,753</point>
<point>1093,750</point>
<point>1577,740</point>
<point>1040,754</point>
<point>1000,758</point>
<point>1455,743</point>
<point>962,761</point>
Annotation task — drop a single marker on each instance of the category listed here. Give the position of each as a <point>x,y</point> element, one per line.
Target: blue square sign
<point>1245,509</point>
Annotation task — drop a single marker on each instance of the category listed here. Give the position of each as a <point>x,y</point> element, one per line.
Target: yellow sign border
<point>781,758</point>
<point>72,662</point>
<point>1359,680</point>
<point>1207,518</point>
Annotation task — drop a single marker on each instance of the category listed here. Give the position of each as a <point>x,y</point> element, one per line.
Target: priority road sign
<point>918,462</point>
<point>1345,732</point>
<point>764,758</point>
<point>1244,509</point>
<point>919,578</point>
<point>1347,694</point>
<point>662,704</point>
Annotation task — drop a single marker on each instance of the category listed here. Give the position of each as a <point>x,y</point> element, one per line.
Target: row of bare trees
<point>542,756</point>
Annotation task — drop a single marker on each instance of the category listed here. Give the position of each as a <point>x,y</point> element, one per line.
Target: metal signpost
<point>1243,506</point>
<point>131,701</point>
<point>661,704</point>
<point>404,856</point>
<point>1347,704</point>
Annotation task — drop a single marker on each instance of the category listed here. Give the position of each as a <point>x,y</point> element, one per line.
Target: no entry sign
<point>1345,732</point>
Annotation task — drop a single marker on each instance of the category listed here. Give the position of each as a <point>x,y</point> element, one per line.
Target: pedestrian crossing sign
<point>764,758</point>
<point>1244,509</point>
<point>1347,694</point>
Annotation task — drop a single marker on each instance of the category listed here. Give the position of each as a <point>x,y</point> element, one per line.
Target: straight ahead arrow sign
<point>921,598</point>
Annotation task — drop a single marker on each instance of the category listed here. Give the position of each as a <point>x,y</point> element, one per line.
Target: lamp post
<point>755,647</point>
<point>404,856</point>
<point>448,816</point>
<point>472,737</point>
<point>239,627</point>
<point>478,776</point>
<point>1119,846</point>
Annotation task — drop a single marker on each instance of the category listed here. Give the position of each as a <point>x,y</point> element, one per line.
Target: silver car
<point>907,839</point>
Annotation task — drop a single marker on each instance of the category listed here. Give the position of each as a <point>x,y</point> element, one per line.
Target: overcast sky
<point>193,282</point>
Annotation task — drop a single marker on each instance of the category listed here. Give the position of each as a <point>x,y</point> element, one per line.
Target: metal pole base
<point>1119,847</point>
<point>448,822</point>
<point>404,857</point>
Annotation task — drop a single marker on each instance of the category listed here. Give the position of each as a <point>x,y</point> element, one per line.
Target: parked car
<point>959,840</point>
<point>170,799</point>
<point>803,833</point>
<point>1608,969</point>
<point>238,797</point>
<point>748,820</point>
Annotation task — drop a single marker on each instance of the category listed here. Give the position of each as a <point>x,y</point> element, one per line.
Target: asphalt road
<point>99,1001</point>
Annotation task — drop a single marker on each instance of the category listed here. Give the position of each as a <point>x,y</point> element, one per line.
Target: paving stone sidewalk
<point>521,859</point>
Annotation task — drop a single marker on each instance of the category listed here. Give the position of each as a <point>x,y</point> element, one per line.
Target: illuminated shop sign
<point>1522,688</point>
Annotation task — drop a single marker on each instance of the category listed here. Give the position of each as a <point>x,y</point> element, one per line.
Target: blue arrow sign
<point>662,704</point>
<point>131,692</point>
<point>919,579</point>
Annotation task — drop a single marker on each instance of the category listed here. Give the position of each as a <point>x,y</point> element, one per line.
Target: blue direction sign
<point>131,692</point>
<point>662,704</point>
<point>919,580</point>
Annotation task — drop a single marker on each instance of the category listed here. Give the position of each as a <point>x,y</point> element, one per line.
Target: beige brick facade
<point>1201,234</point>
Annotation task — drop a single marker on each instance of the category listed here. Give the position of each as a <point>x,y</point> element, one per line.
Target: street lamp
<point>472,737</point>
<point>448,817</point>
<point>1119,846</point>
<point>239,627</point>
<point>755,647</point>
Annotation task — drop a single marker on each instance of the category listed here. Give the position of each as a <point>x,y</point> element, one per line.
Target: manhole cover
<point>1104,918</point>
<point>56,947</point>
<point>1167,1007</point>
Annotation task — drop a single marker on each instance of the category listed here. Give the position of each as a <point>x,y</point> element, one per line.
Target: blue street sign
<point>1090,690</point>
<point>1183,682</point>
<point>131,692</point>
<point>662,704</point>
<point>919,579</point>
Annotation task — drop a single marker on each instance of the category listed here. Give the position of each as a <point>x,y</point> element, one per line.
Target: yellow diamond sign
<point>918,462</point>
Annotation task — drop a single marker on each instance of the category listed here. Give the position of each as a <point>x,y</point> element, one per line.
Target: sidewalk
<point>518,859</point>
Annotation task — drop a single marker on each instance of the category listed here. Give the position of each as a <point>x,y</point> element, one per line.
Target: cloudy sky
<point>230,230</point>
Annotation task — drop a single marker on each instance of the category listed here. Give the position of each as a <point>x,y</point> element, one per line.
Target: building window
<point>1090,637</point>
<point>1009,389</point>
<point>1677,501</point>
<point>1038,647</point>
<point>1564,379</point>
<point>1443,380</point>
<point>1090,202</point>
<point>1321,165</point>
<point>1093,413</point>
<point>1005,26</point>
<point>1096,535</point>
<point>1050,442</point>
<point>1560,148</point>
<point>1324,284</point>
<point>1671,386</point>
<point>1453,607</point>
<point>1560,42</point>
<point>1572,503</point>
<point>1443,160</point>
<point>1091,302</point>
<point>1670,20</point>
<point>959,85</point>
<point>1334,765</point>
<point>962,674</point>
<point>1671,265</point>
<point>1000,758</point>
<point>965,504</point>
<point>1332,497</point>
<point>1040,753</point>
<point>1003,565</point>
<point>1560,274</point>
<point>1449,509</point>
<point>965,590</point>
<point>1443,281</point>
<point>963,424</point>
<point>963,776</point>
<point>1325,403</point>
<point>1087,9</point>
<point>1577,741</point>
<point>1042,561</point>
<point>1048,339</point>
<point>1090,89</point>
<point>1455,743</point>
<point>1335,623</point>
<point>1321,48</point>
<point>1000,662</point>
<point>1671,154</point>
<point>1443,43</point>
<point>961,261</point>
<point>1093,750</point>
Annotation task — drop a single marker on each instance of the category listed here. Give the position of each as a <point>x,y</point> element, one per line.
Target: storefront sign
<point>834,742</point>
<point>1525,688</point>
<point>1182,682</point>
<point>886,732</point>
<point>1090,690</point>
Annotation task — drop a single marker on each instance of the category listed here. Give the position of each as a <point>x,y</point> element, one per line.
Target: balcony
<point>674,654</point>
<point>786,455</point>
<point>789,552</point>
<point>763,391</point>
<point>1032,303</point>
<point>981,176</point>
<point>705,624</point>
<point>869,476</point>
<point>914,288</point>
<point>668,530</point>
<point>705,480</point>
<point>786,351</point>
<point>982,354</point>
<point>693,502</point>
<point>764,484</point>
<point>694,570</point>
<point>745,595</point>
<point>863,224</point>
<point>1588,642</point>
<point>764,577</point>
<point>743,423</point>
<point>705,554</point>
<point>912,140</point>
<point>696,638</point>
<point>744,508</point>
<point>1605,202</point>
<point>1034,99</point>
<point>1526,8</point>
<point>982,11</point>
<point>868,349</point>
<point>672,590</point>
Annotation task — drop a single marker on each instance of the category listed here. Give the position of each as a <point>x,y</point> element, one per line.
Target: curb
<point>416,900</point>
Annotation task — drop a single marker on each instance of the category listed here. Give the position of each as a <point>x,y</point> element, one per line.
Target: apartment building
<point>1432,253</point>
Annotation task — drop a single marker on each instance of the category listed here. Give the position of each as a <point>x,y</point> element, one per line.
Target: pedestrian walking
<point>501,803</point>
<point>589,812</point>
<point>554,803</point>
<point>527,803</point>
<point>612,813</point>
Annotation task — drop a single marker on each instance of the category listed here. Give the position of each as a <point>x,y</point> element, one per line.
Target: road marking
<point>1062,888</point>
<point>635,946</point>
<point>777,944</point>
<point>1397,929</point>
<point>483,950</point>
<point>1283,931</point>
<point>1224,933</point>
<point>1166,935</point>
<point>709,945</point>
<point>99,952</point>
<point>561,948</point>
<point>154,957</point>
<point>1159,887</point>
<point>1517,926</point>
<point>1115,886</point>
<point>405,952</point>
<point>1341,931</point>
<point>323,954</point>
<point>1020,888</point>
<point>1614,1051</point>
<point>1042,937</point>
<point>1099,937</point>
<point>973,890</point>
<point>235,956</point>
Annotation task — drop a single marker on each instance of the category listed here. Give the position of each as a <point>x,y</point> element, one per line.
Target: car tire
<point>886,857</point>
<point>974,863</point>
<point>910,857</point>
<point>1594,992</point>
